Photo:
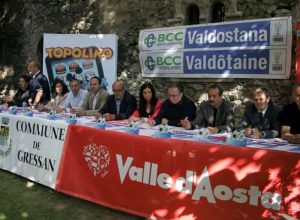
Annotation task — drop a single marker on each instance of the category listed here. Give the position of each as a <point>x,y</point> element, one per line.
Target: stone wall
<point>24,22</point>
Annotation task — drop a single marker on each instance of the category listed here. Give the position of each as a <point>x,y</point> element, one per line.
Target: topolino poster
<point>81,56</point>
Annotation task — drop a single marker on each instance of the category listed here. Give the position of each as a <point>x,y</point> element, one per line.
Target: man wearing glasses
<point>120,105</point>
<point>176,108</point>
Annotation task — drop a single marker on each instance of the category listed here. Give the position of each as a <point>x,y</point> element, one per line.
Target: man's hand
<point>151,122</point>
<point>30,101</point>
<point>98,115</point>
<point>297,139</point>
<point>109,117</point>
<point>256,133</point>
<point>186,124</point>
<point>293,139</point>
<point>213,130</point>
<point>247,132</point>
<point>74,110</point>
<point>59,110</point>
<point>80,113</point>
<point>133,118</point>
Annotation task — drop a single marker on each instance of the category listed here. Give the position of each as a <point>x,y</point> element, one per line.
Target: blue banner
<point>259,48</point>
<point>229,35</point>
<point>226,62</point>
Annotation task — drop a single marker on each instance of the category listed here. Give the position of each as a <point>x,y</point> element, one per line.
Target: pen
<point>180,123</point>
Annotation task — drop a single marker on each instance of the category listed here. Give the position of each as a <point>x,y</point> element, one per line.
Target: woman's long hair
<point>64,87</point>
<point>143,102</point>
<point>26,79</point>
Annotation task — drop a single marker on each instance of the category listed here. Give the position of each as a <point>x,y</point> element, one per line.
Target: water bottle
<point>24,106</point>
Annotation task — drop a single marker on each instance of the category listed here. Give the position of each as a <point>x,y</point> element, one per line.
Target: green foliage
<point>11,34</point>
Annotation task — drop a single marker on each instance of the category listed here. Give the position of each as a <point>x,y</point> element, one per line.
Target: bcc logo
<point>150,40</point>
<point>163,38</point>
<point>150,63</point>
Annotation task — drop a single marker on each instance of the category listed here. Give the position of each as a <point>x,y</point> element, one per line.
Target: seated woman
<point>149,105</point>
<point>59,90</point>
<point>22,94</point>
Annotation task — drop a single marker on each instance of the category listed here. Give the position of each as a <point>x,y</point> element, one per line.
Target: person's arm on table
<point>162,113</point>
<point>286,135</point>
<point>186,124</point>
<point>109,117</point>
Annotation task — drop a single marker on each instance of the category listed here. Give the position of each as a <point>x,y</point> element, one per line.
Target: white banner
<point>81,56</point>
<point>32,147</point>
<point>259,48</point>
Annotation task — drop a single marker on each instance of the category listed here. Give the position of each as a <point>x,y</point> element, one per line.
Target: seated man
<point>176,108</point>
<point>290,120</point>
<point>262,118</point>
<point>120,105</point>
<point>216,114</point>
<point>95,99</point>
<point>74,98</point>
<point>22,94</point>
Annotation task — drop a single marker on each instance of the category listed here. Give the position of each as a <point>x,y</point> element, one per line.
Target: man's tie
<point>215,117</point>
<point>260,114</point>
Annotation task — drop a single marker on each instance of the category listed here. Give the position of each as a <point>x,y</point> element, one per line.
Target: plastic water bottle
<point>24,106</point>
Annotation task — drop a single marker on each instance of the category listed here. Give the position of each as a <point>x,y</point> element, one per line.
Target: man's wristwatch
<point>263,134</point>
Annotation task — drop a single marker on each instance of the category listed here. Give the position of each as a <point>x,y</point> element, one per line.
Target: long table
<point>174,178</point>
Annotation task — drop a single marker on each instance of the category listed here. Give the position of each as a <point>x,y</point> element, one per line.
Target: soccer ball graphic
<point>28,109</point>
<point>101,120</point>
<point>52,113</point>
<point>163,128</point>
<point>237,135</point>
<point>203,132</point>
<point>133,125</point>
<point>72,116</point>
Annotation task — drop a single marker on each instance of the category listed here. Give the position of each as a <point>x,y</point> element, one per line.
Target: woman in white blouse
<point>59,90</point>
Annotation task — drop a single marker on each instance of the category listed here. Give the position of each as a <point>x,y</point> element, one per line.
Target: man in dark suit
<point>290,120</point>
<point>215,114</point>
<point>120,105</point>
<point>262,117</point>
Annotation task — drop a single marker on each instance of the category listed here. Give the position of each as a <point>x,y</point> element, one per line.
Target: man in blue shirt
<point>39,89</point>
<point>74,98</point>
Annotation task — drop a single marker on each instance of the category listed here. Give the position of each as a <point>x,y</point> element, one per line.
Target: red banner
<point>175,179</point>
